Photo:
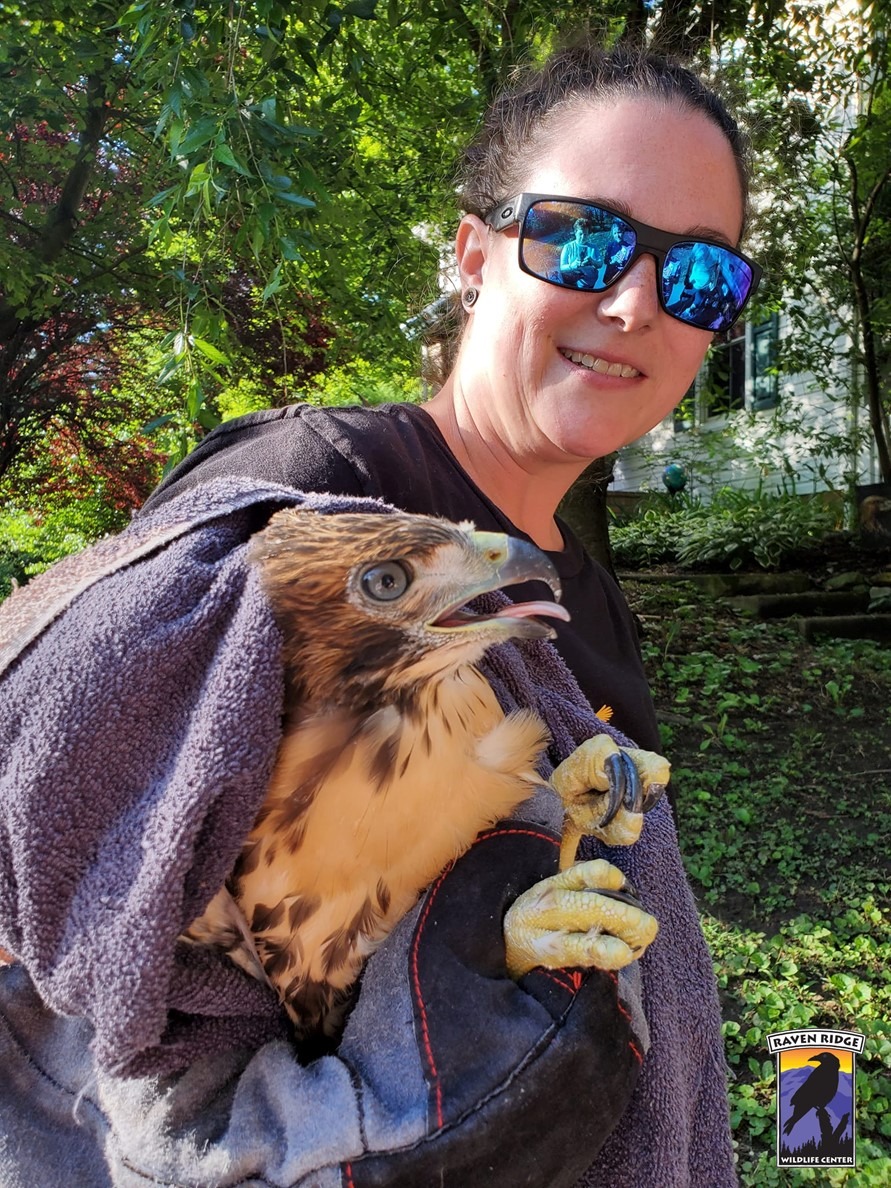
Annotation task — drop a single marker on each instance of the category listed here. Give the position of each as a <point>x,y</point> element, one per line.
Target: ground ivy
<point>781,753</point>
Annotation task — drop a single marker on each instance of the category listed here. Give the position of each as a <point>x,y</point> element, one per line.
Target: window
<point>765,388</point>
<point>723,374</point>
<point>739,371</point>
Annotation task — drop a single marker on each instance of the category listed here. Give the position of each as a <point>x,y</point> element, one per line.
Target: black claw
<point>624,786</point>
<point>616,776</point>
<point>634,788</point>
<point>652,796</point>
<point>627,895</point>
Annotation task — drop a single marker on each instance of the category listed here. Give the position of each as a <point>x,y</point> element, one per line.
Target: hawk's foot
<point>587,916</point>
<point>605,790</point>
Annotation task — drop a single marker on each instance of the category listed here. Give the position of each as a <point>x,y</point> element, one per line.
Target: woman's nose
<point>633,300</point>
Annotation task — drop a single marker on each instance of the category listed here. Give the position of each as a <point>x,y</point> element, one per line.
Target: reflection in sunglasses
<point>581,246</point>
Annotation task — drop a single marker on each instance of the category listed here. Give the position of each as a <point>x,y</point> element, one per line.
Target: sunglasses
<point>579,245</point>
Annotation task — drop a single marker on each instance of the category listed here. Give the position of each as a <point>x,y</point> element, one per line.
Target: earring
<point>469,297</point>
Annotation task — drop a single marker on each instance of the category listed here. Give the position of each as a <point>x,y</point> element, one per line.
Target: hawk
<point>395,754</point>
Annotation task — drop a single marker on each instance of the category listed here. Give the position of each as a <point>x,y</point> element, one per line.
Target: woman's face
<point>567,374</point>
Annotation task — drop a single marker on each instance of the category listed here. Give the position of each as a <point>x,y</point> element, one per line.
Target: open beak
<point>510,561</point>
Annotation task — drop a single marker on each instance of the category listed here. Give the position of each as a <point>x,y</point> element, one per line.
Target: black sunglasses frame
<point>648,241</point>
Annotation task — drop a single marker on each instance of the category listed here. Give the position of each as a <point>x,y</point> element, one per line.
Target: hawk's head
<point>372,605</point>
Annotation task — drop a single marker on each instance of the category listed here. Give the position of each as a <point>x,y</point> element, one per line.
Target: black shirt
<point>395,452</point>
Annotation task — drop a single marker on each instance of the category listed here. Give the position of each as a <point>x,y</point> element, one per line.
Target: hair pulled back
<point>496,161</point>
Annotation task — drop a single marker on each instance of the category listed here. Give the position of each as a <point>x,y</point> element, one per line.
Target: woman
<point>547,378</point>
<point>574,258</point>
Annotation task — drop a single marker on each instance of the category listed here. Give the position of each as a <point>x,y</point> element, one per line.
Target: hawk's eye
<point>386,581</point>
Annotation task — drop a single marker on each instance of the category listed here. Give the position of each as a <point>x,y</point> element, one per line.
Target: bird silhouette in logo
<point>817,1091</point>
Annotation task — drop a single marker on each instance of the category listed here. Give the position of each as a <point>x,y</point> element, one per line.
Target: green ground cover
<point>781,753</point>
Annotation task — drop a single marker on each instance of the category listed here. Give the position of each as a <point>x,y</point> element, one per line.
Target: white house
<point>744,425</point>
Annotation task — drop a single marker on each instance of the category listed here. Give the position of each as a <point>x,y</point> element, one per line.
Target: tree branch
<point>62,221</point>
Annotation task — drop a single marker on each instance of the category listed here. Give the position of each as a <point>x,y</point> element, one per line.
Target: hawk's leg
<point>587,915</point>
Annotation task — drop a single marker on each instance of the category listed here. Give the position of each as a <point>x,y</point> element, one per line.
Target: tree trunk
<point>863,300</point>
<point>585,510</point>
<point>865,210</point>
<point>873,384</point>
<point>62,223</point>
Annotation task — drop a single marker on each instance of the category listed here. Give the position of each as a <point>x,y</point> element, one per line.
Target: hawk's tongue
<point>527,610</point>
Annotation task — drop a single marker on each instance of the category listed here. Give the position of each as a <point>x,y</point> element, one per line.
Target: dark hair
<point>495,163</point>
<point>496,160</point>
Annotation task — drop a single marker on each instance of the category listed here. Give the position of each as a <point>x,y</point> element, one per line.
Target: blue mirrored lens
<point>579,246</point>
<point>575,245</point>
<point>704,284</point>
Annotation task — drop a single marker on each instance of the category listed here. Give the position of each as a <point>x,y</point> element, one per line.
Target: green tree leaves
<point>818,82</point>
<point>151,153</point>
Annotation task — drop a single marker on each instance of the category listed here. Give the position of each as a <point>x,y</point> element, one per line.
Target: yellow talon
<point>582,782</point>
<point>573,919</point>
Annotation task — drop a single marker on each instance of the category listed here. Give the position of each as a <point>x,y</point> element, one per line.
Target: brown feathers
<point>395,753</point>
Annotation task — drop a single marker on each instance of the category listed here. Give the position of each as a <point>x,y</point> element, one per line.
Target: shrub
<point>363,382</point>
<point>736,528</point>
<point>30,543</point>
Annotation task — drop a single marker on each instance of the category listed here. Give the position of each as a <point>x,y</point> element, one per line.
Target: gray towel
<point>141,713</point>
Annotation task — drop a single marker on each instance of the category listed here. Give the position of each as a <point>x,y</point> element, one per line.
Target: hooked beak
<point>510,561</point>
<point>516,561</point>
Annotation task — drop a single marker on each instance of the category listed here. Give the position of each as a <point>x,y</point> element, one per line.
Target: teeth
<point>625,370</point>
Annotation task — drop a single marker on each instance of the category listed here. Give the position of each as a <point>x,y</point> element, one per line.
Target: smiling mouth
<point>593,363</point>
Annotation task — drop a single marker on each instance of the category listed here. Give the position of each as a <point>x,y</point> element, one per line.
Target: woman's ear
<point>471,250</point>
